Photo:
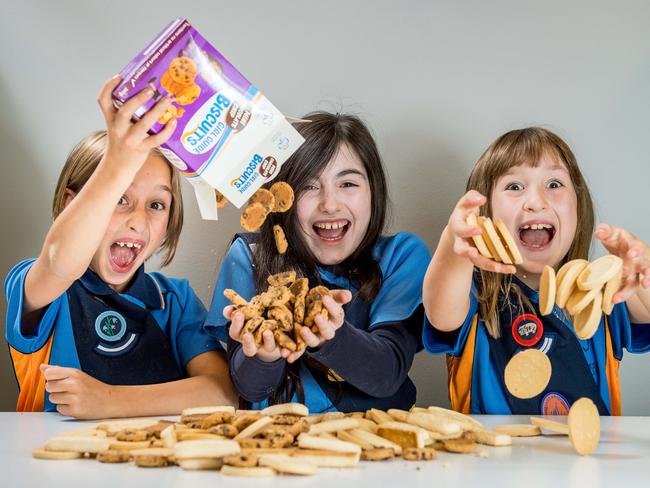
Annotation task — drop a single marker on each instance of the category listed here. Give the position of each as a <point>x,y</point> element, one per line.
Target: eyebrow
<point>346,172</point>
<point>164,188</point>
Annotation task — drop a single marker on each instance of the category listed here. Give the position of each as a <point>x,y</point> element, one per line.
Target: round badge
<point>527,330</point>
<point>110,326</point>
<point>554,403</point>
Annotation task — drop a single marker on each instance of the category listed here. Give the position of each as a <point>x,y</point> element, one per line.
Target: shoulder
<point>404,246</point>
<point>179,288</point>
<point>16,275</point>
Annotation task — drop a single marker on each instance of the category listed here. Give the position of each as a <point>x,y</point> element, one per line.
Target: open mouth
<point>536,236</point>
<point>123,254</point>
<point>331,231</point>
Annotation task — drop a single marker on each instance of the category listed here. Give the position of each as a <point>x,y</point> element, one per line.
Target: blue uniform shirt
<point>391,323</point>
<point>476,383</point>
<point>173,305</point>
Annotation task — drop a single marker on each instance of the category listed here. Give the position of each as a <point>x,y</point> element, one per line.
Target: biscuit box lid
<point>228,136</point>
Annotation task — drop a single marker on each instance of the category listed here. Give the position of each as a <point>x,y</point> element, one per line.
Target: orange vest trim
<point>30,379</point>
<point>613,380</point>
<point>459,369</point>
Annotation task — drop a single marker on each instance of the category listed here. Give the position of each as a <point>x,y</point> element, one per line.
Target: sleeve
<point>237,273</point>
<point>191,339</point>
<point>403,261</point>
<point>635,338</point>
<point>376,362</point>
<point>14,292</point>
<point>255,380</point>
<point>438,342</point>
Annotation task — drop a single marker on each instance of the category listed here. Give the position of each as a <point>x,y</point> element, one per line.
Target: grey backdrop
<point>436,81</point>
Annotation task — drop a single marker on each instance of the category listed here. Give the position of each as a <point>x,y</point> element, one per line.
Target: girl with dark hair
<point>362,354</point>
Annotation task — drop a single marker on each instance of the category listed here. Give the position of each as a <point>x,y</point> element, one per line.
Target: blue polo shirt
<point>172,303</point>
<point>476,383</point>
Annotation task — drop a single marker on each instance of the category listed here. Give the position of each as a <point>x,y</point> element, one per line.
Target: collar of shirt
<point>142,287</point>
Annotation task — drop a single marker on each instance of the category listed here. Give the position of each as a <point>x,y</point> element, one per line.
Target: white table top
<point>621,459</point>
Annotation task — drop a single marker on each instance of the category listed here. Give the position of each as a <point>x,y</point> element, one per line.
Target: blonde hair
<point>80,165</point>
<point>515,148</point>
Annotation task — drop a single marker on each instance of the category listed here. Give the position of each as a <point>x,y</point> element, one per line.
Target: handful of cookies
<point>284,308</point>
<point>585,289</point>
<point>495,241</point>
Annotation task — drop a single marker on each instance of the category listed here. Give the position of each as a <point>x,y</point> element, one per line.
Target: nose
<point>329,202</point>
<point>535,200</point>
<point>137,219</point>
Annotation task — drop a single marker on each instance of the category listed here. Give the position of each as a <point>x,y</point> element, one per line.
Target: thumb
<point>341,296</point>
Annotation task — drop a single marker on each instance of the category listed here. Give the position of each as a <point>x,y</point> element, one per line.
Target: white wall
<point>436,81</point>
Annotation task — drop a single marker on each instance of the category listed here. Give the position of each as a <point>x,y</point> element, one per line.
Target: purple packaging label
<point>212,100</point>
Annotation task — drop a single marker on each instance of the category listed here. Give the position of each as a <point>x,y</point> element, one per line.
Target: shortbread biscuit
<point>461,446</point>
<point>490,235</point>
<point>611,288</point>
<point>547,288</point>
<point>586,323</point>
<point>377,454</point>
<point>40,453</point>
<point>566,280</point>
<point>584,426</point>
<point>508,242</point>
<point>479,242</point>
<point>518,430</point>
<point>599,272</point>
<point>247,472</point>
<point>527,373</point>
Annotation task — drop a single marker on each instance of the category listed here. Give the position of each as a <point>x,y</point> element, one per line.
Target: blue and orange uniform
<point>366,364</point>
<point>580,368</point>
<point>145,335</point>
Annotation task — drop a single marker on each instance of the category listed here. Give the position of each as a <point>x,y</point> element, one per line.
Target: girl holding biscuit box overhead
<point>90,333</point>
<point>341,321</point>
<point>519,339</point>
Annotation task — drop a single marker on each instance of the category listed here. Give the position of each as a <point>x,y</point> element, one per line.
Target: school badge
<point>110,327</point>
<point>527,330</point>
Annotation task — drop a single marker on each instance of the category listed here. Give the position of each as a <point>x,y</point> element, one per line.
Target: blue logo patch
<point>110,326</point>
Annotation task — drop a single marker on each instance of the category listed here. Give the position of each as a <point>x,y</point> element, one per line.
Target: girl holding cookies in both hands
<point>90,333</point>
<point>359,354</point>
<point>483,312</point>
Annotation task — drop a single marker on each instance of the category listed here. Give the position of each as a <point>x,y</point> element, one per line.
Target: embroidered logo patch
<point>554,403</point>
<point>110,326</point>
<point>527,330</point>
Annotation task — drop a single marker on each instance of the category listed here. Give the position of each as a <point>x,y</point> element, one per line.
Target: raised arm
<point>76,233</point>
<point>448,281</point>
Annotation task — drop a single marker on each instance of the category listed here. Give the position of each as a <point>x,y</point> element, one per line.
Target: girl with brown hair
<point>90,333</point>
<point>483,312</point>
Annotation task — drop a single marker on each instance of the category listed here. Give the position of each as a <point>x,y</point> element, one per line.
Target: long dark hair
<point>324,135</point>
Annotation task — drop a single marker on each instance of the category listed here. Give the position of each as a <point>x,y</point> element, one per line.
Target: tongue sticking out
<point>536,238</point>
<point>122,256</point>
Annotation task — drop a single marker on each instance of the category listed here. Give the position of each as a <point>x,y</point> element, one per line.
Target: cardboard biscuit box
<point>229,136</point>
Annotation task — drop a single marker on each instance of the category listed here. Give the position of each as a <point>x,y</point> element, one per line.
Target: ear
<point>68,195</point>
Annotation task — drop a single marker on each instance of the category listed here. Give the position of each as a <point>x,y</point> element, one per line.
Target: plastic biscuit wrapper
<point>229,136</point>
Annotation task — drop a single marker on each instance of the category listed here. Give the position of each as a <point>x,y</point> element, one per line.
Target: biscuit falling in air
<point>547,287</point>
<point>280,239</point>
<point>283,194</point>
<point>221,200</point>
<point>264,197</point>
<point>253,217</point>
<point>527,373</point>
